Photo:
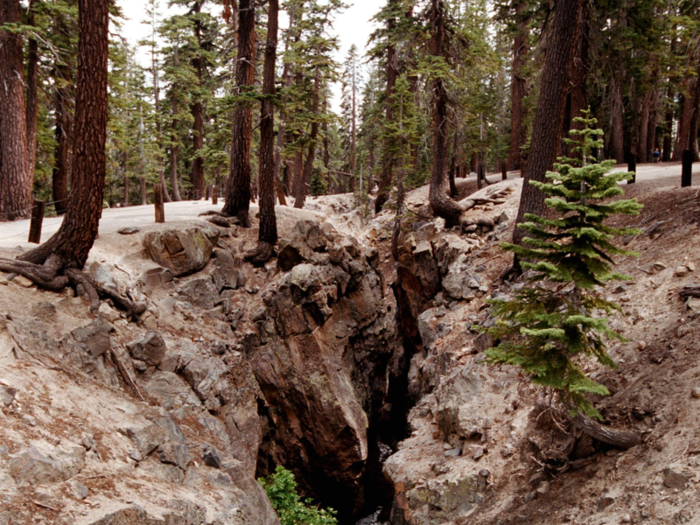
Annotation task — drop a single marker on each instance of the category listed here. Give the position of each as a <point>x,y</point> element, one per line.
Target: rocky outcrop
<point>322,347</point>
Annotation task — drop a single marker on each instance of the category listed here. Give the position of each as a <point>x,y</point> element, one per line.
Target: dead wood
<point>618,438</point>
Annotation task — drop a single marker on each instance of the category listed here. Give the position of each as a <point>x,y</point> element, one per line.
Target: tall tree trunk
<point>651,126</point>
<point>32,87</point>
<point>391,75</point>
<point>440,202</point>
<point>62,134</point>
<point>78,231</point>
<point>15,168</point>
<point>578,96</point>
<point>617,140</point>
<point>668,126</point>
<point>267,235</point>
<point>683,135</point>
<point>281,131</point>
<point>197,173</point>
<point>305,182</point>
<point>692,143</point>
<point>518,87</point>
<point>238,192</point>
<point>174,149</point>
<point>546,131</point>
<point>642,132</point>
<point>159,131</point>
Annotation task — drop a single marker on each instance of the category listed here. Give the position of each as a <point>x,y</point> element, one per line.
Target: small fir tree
<point>550,326</point>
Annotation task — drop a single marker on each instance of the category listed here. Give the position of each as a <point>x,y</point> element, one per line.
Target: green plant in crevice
<point>552,324</point>
<point>281,489</point>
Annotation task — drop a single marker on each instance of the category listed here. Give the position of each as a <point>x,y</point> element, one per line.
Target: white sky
<point>353,26</point>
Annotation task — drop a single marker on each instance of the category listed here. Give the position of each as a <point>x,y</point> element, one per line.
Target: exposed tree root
<point>49,277</point>
<point>617,438</point>
<point>261,254</point>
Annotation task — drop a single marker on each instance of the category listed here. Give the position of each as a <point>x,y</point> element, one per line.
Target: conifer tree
<point>551,326</point>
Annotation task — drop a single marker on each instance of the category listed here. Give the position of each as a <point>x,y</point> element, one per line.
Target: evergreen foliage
<point>281,489</point>
<point>550,325</point>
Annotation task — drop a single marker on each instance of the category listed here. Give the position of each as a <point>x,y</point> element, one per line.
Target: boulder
<point>183,251</point>
<point>150,349</point>
<point>94,337</point>
<point>34,467</point>
<point>305,243</point>
<point>201,293</point>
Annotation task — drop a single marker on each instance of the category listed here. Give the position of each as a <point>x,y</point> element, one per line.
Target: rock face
<point>321,345</point>
<point>182,251</point>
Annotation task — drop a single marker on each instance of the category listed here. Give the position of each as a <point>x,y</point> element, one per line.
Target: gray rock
<point>673,480</point>
<point>171,391</point>
<point>211,457</point>
<point>183,251</point>
<point>693,305</point>
<point>87,440</point>
<point>454,452</point>
<point>79,490</point>
<point>476,452</point>
<point>459,286</point>
<point>44,310</point>
<point>695,392</point>
<point>226,273</point>
<point>155,278</point>
<point>201,293</point>
<point>36,468</point>
<point>150,349</point>
<point>175,454</point>
<point>605,502</point>
<point>94,337</point>
<point>147,437</point>
<point>129,230</point>
<point>7,395</point>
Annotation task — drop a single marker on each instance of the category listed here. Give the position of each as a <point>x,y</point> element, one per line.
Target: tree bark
<point>642,132</point>
<point>440,202</point>
<point>32,86</point>
<point>617,140</point>
<point>62,134</point>
<point>692,143</point>
<point>546,132</point>
<point>78,231</point>
<point>303,184</point>
<point>668,127</point>
<point>518,87</point>
<point>238,191</point>
<point>386,174</point>
<point>578,95</point>
<point>267,234</point>
<point>174,149</point>
<point>197,173</point>
<point>15,168</point>
<point>683,136</point>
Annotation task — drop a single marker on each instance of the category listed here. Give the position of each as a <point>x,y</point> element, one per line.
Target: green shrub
<point>281,489</point>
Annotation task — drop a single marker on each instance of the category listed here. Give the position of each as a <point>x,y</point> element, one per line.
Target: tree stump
<point>632,168</point>
<point>36,222</point>
<point>158,203</point>
<point>687,173</point>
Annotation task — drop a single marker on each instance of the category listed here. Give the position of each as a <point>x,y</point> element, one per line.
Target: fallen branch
<point>617,438</point>
<point>124,373</point>
<point>690,290</point>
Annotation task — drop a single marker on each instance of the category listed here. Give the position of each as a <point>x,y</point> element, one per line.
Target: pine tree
<point>16,173</point>
<point>550,325</point>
